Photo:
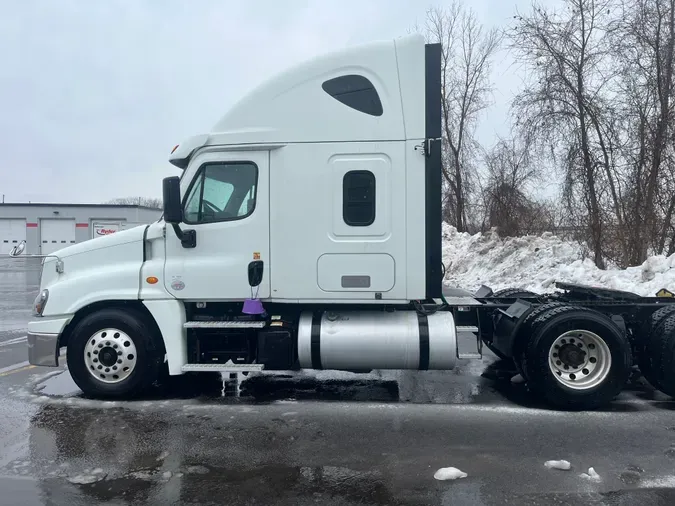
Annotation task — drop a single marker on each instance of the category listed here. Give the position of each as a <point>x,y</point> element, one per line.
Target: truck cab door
<point>225,198</point>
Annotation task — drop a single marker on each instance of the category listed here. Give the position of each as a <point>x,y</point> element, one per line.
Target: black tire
<point>509,293</point>
<point>649,346</point>
<point>149,353</point>
<point>551,324</point>
<point>662,355</point>
<point>524,333</point>
<point>514,293</point>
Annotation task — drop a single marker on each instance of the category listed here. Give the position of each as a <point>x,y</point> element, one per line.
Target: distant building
<point>50,227</point>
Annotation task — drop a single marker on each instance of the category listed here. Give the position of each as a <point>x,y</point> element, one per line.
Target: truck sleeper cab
<point>329,176</point>
<point>304,232</point>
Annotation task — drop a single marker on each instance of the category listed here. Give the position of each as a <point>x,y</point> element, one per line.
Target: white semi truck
<point>305,232</point>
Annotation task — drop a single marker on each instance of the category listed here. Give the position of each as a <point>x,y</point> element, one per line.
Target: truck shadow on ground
<point>483,384</point>
<point>637,388</point>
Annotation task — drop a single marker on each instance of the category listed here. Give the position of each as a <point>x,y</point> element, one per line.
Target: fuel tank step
<point>222,367</point>
<point>467,328</point>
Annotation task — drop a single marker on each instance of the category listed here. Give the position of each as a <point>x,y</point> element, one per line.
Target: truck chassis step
<point>222,367</point>
<point>223,325</point>
<point>467,329</point>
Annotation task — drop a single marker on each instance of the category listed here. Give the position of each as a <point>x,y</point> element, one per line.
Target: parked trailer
<point>305,232</point>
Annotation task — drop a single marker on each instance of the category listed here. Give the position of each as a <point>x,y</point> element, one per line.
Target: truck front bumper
<point>44,338</point>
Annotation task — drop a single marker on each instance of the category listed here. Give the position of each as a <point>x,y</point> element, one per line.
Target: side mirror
<point>18,249</point>
<point>255,273</point>
<point>173,209</point>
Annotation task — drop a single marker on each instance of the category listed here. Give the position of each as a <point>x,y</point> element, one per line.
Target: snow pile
<point>591,475</point>
<point>535,262</point>
<point>449,473</point>
<point>563,465</point>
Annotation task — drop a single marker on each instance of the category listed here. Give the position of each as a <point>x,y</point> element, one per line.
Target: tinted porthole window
<point>358,198</point>
<point>356,92</point>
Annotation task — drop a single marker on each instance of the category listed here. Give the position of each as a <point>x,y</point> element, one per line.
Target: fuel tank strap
<point>315,340</point>
<point>424,341</point>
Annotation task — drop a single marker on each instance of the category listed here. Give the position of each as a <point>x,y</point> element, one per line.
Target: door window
<point>222,191</point>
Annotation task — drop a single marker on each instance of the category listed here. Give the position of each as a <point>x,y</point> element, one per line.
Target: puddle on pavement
<point>194,483</point>
<point>59,385</point>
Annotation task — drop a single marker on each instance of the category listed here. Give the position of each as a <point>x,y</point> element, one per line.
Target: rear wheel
<point>661,352</point>
<point>650,346</point>
<point>514,293</point>
<point>112,353</point>
<point>576,358</point>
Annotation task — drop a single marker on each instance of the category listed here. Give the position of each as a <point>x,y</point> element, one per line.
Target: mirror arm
<point>188,238</point>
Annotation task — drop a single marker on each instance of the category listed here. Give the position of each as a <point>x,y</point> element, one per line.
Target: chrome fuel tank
<point>365,340</point>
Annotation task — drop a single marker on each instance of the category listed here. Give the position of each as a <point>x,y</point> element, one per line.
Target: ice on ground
<point>517,379</point>
<point>86,479</point>
<point>563,465</point>
<point>591,475</point>
<point>449,473</point>
<point>659,482</point>
<point>535,262</point>
<point>162,456</point>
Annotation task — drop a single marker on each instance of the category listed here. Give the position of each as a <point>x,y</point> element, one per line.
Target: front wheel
<point>576,358</point>
<point>112,353</point>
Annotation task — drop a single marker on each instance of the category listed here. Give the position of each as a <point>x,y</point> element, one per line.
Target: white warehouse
<point>50,227</point>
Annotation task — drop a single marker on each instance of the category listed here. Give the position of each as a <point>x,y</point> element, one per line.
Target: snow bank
<point>535,262</point>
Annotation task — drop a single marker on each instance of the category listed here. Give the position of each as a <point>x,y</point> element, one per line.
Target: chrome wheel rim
<point>110,355</point>
<point>580,359</point>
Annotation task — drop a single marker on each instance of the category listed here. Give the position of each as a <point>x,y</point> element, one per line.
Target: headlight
<point>40,302</point>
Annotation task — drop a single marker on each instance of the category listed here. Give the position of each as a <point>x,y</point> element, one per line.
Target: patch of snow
<point>535,262</point>
<point>659,482</point>
<point>85,479</point>
<point>162,456</point>
<point>591,475</point>
<point>563,465</point>
<point>449,473</point>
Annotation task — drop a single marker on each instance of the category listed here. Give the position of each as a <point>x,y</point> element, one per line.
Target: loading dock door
<point>12,232</point>
<point>56,234</point>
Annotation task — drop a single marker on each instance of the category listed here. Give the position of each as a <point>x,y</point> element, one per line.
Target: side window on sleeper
<point>355,91</point>
<point>358,198</point>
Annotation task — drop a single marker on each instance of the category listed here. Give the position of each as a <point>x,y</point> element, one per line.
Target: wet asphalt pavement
<point>325,438</point>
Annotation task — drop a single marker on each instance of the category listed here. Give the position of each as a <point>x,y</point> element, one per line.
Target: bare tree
<point>510,171</point>
<point>644,39</point>
<point>152,202</point>
<point>563,106</point>
<point>467,50</point>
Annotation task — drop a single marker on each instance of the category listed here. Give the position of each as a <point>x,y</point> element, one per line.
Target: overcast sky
<point>94,94</point>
